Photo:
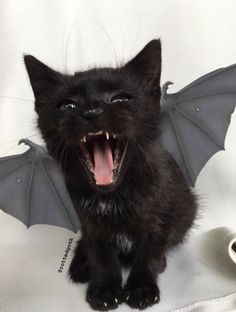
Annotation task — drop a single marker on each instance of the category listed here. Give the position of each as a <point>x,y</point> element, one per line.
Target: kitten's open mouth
<point>103,153</point>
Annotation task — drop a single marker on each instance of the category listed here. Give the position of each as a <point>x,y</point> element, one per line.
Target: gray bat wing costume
<point>194,123</point>
<point>33,190</point>
<point>195,120</point>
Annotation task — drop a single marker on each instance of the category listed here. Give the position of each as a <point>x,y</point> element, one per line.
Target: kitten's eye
<point>121,98</point>
<point>67,105</point>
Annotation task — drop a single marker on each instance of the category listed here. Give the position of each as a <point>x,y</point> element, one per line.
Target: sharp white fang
<point>107,135</point>
<point>84,139</point>
<point>114,136</point>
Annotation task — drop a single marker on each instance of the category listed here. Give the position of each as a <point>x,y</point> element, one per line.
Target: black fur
<point>149,209</point>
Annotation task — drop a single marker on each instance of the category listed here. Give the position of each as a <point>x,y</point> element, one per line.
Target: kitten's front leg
<point>79,271</point>
<point>141,289</point>
<point>104,290</point>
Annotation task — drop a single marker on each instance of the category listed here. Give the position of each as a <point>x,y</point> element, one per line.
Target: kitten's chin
<point>103,155</point>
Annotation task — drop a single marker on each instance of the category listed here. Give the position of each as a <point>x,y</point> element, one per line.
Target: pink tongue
<point>103,163</point>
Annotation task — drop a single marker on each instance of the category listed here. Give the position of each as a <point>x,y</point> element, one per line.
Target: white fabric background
<point>197,37</point>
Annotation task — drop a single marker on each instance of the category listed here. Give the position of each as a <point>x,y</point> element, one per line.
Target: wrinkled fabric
<point>226,303</point>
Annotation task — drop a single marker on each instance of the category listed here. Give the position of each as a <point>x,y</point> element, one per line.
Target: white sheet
<point>197,37</point>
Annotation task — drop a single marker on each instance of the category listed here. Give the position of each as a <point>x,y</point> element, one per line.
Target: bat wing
<point>33,190</point>
<point>195,120</point>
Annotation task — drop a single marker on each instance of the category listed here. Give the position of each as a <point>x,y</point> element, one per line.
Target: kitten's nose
<point>93,114</point>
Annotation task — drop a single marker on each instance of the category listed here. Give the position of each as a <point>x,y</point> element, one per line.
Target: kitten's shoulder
<point>166,165</point>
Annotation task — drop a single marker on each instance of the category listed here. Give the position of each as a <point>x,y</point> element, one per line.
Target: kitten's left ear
<point>43,79</point>
<point>146,66</point>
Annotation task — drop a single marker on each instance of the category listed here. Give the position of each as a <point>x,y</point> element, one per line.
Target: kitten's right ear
<point>42,78</point>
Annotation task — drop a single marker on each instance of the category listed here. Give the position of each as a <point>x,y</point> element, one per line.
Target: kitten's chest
<point>122,242</point>
<point>113,226</point>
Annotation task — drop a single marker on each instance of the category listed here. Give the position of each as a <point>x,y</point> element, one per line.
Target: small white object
<point>230,243</point>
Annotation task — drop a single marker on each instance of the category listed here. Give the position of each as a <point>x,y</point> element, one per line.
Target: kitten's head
<point>103,116</point>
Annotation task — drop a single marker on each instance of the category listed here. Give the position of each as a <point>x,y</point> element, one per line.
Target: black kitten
<point>102,125</point>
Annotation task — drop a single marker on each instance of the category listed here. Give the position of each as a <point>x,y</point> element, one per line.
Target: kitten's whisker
<point>67,46</point>
<point>64,153</point>
<point>145,158</point>
<point>109,39</point>
<point>16,140</point>
<point>123,46</point>
<point>16,98</point>
<point>66,156</point>
<point>58,143</point>
<point>138,32</point>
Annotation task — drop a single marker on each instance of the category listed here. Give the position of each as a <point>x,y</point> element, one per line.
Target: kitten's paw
<point>104,299</point>
<point>141,297</point>
<point>79,273</point>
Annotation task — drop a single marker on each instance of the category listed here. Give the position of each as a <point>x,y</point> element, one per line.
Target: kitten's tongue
<point>103,163</point>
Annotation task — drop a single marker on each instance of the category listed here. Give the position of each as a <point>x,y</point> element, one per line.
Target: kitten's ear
<point>42,78</point>
<point>146,66</point>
